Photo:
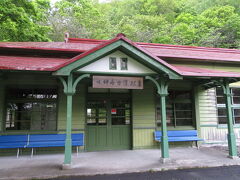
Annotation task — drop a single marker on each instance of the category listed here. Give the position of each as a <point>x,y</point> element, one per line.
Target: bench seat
<point>13,141</point>
<point>177,136</point>
<point>39,140</point>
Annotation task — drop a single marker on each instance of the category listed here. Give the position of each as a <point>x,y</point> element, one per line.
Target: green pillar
<point>69,90</point>
<point>164,140</point>
<point>68,141</point>
<point>162,90</point>
<point>231,136</point>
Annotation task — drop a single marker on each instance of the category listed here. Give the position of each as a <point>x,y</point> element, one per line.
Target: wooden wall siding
<point>207,107</point>
<point>211,131</point>
<point>217,135</point>
<point>143,138</point>
<point>180,85</point>
<point>143,115</point>
<point>78,118</point>
<point>143,106</point>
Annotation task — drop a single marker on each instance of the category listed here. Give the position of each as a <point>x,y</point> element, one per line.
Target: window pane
<point>220,100</point>
<point>18,116</point>
<point>236,100</point>
<point>220,96</point>
<point>179,109</point>
<point>237,120</point>
<point>96,113</point>
<point>219,91</point>
<point>120,112</point>
<point>124,65</point>
<point>25,114</point>
<point>183,106</point>
<point>184,122</point>
<point>170,115</point>
<point>236,91</point>
<point>112,63</point>
<point>236,115</point>
<point>222,120</point>
<point>43,116</point>
<point>183,114</point>
<point>222,112</point>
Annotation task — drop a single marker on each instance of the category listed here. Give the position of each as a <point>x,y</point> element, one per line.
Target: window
<point>31,109</point>
<point>124,63</point>
<point>179,109</point>
<point>97,112</point>
<point>120,112</point>
<point>221,107</point>
<point>112,63</point>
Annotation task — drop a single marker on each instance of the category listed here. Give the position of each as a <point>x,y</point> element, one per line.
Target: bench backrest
<point>183,133</point>
<point>157,135</point>
<point>77,139</point>
<point>13,138</point>
<point>46,137</point>
<point>13,141</point>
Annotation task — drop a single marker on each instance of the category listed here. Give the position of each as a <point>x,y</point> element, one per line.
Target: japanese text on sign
<point>117,82</point>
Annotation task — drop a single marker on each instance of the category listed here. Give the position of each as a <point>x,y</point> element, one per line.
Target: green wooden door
<point>108,124</point>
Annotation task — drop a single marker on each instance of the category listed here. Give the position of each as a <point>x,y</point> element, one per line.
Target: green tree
<point>23,20</point>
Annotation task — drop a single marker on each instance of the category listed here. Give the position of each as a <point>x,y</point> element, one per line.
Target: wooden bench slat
<point>182,135</point>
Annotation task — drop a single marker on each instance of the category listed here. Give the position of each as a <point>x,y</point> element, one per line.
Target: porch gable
<point>127,47</point>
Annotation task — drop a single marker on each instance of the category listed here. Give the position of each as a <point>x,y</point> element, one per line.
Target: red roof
<point>160,50</point>
<point>87,46</point>
<point>56,46</point>
<point>203,72</point>
<point>30,63</point>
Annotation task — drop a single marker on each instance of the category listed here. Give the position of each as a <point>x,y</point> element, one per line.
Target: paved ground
<point>111,162</point>
<point>219,173</point>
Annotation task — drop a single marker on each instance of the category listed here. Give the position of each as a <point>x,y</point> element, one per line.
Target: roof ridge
<point>197,48</point>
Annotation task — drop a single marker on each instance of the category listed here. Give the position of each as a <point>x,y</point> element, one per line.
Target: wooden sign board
<point>117,82</point>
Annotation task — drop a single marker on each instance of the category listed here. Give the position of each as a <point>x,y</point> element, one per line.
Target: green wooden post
<point>69,90</point>
<point>231,136</point>
<point>162,90</point>
<point>68,141</point>
<point>164,140</point>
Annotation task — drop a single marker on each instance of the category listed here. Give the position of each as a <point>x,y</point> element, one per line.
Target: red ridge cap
<point>84,40</point>
<point>41,48</point>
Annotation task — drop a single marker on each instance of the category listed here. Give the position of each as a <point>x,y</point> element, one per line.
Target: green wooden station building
<point>118,92</point>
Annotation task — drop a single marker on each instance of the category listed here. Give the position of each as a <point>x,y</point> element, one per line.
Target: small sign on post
<point>117,82</point>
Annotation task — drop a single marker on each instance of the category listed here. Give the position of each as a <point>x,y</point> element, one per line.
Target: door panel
<point>108,124</point>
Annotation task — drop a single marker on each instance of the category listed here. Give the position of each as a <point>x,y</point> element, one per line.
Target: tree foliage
<point>22,20</point>
<point>213,23</point>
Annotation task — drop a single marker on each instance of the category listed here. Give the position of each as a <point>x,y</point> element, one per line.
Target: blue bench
<point>13,141</point>
<point>39,140</point>
<point>176,136</point>
<point>53,140</point>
